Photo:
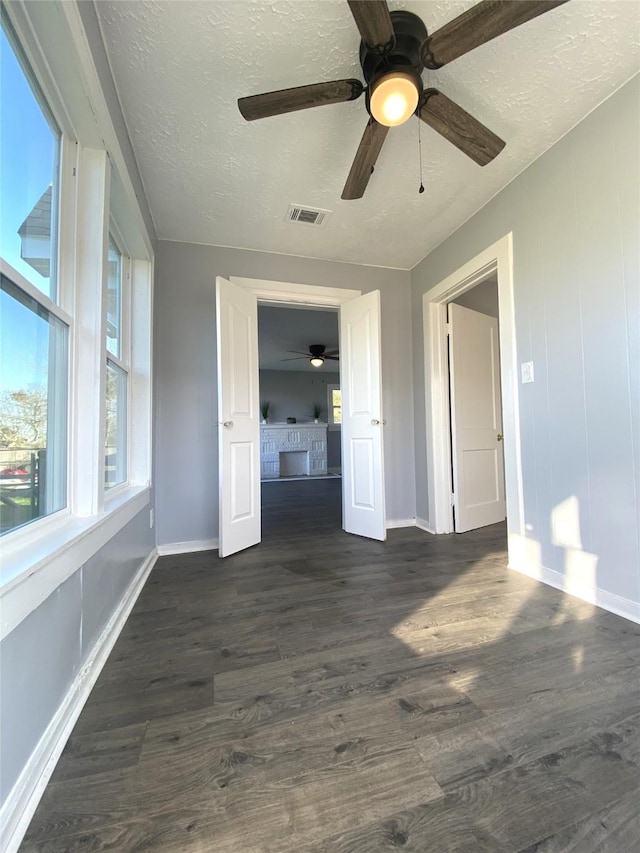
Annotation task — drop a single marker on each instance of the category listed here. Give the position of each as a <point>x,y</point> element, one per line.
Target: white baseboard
<point>400,522</point>
<point>187,547</point>
<point>600,597</point>
<point>20,805</point>
<point>423,524</point>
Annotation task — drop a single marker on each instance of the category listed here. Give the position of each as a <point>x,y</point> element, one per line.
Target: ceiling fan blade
<point>478,25</point>
<point>300,352</point>
<point>331,358</point>
<point>373,21</point>
<point>299,98</point>
<point>332,352</point>
<point>295,358</point>
<point>460,128</point>
<point>372,140</point>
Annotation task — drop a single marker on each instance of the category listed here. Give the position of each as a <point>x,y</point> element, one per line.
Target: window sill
<point>56,551</point>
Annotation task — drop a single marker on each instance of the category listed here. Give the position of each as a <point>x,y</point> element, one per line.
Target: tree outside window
<point>33,409</point>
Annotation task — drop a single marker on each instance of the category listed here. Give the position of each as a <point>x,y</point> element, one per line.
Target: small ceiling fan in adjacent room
<point>394,50</point>
<point>317,355</point>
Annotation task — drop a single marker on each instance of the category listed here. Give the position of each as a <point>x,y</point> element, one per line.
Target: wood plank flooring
<point>322,693</point>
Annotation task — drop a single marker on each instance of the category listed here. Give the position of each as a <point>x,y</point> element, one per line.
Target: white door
<point>362,460</point>
<point>238,420</point>
<point>476,419</point>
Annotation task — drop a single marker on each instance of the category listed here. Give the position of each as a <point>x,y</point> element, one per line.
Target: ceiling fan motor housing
<point>404,52</point>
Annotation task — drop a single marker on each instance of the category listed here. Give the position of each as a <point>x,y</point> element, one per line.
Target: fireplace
<point>288,450</point>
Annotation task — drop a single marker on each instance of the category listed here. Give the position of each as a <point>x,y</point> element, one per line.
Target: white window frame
<point>93,183</point>
<point>25,531</point>
<point>58,307</point>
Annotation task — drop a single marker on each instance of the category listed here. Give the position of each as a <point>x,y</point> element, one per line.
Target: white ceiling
<point>213,178</point>
<point>283,329</point>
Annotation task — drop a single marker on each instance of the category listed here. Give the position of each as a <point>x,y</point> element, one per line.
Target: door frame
<point>289,293</point>
<point>497,258</point>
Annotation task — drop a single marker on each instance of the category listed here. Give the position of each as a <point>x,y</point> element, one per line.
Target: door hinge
<point>448,328</point>
<point>453,498</point>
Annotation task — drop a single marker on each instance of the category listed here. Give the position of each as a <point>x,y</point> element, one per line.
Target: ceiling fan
<point>394,50</point>
<point>317,355</point>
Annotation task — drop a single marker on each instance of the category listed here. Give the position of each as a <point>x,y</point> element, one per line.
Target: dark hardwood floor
<point>322,693</point>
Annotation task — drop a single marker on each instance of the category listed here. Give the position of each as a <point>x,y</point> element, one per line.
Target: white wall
<point>574,215</point>
<point>186,469</point>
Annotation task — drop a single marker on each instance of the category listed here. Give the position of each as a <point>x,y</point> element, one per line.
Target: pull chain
<point>421,190</point>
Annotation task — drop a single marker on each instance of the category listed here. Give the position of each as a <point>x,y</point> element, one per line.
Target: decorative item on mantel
<point>316,411</point>
<point>264,408</point>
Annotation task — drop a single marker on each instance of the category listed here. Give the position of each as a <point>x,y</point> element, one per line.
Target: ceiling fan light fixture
<point>393,98</point>
<point>316,361</point>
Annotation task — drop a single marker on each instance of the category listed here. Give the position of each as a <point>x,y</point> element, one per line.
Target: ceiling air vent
<point>307,215</point>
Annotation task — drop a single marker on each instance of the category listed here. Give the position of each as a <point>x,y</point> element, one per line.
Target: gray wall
<point>574,217</point>
<point>41,657</point>
<point>483,298</point>
<point>291,393</point>
<point>185,365</point>
<point>334,448</point>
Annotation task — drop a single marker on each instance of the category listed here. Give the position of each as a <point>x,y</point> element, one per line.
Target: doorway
<point>297,390</point>
<point>496,260</point>
<point>475,406</point>
<point>239,405</point>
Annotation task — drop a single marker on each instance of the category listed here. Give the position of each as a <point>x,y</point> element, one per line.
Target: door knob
<point>227,424</point>
<point>499,437</point>
<point>376,422</point>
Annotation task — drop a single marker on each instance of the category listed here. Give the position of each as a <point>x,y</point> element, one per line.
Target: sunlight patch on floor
<point>438,627</point>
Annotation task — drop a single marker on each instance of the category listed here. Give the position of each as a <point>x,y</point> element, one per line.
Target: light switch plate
<point>526,371</point>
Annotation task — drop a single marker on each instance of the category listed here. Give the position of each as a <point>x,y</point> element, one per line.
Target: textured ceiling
<point>283,329</point>
<point>213,178</point>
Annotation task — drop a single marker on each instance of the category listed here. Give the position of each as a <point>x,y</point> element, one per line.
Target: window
<point>33,409</point>
<point>33,332</point>
<point>114,298</point>
<point>29,146</point>
<point>115,451</point>
<point>76,295</point>
<point>115,460</point>
<point>334,404</point>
